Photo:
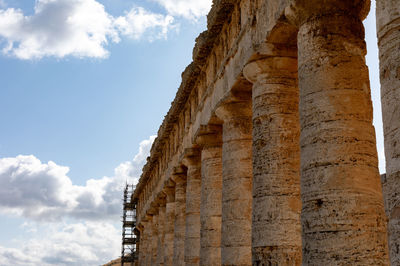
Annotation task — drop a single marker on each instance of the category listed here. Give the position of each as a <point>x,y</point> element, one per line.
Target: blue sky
<point>91,113</point>
<point>79,105</point>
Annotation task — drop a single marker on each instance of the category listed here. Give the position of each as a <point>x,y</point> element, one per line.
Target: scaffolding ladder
<point>129,239</point>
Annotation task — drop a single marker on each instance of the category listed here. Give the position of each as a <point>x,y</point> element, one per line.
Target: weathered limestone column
<point>276,229</point>
<point>169,226</point>
<point>142,250</point>
<point>193,191</point>
<point>154,238</point>
<point>138,232</point>
<point>180,218</point>
<point>210,139</point>
<point>388,25</point>
<point>236,182</point>
<point>149,240</point>
<point>343,217</point>
<point>161,228</point>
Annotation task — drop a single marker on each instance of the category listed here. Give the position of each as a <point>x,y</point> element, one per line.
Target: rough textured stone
<point>143,243</point>
<point>149,242</point>
<point>210,139</point>
<point>161,235</point>
<point>343,218</point>
<point>193,191</point>
<point>180,220</point>
<point>388,29</point>
<point>154,239</point>
<point>169,226</point>
<point>343,222</point>
<point>236,183</point>
<point>276,227</point>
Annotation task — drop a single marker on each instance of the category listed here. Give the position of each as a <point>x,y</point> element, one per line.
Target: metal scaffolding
<point>129,238</point>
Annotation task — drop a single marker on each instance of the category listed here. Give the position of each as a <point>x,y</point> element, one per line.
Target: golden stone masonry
<point>268,153</point>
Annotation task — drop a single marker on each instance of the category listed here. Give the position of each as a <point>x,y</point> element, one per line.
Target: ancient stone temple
<point>268,153</point>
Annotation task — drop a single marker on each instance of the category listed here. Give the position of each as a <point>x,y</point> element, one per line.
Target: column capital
<point>191,157</point>
<point>153,210</point>
<point>161,199</point>
<point>271,60</point>
<point>178,175</point>
<point>300,11</point>
<point>234,110</point>
<point>208,136</point>
<point>269,49</point>
<point>169,183</point>
<point>170,193</point>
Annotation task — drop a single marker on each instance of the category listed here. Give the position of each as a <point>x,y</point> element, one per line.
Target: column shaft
<point>210,139</point>
<point>149,237</point>
<point>154,239</point>
<point>388,25</point>
<point>193,191</point>
<point>236,183</point>
<point>142,250</point>
<point>343,219</point>
<point>169,228</point>
<point>180,221</point>
<point>276,229</point>
<point>161,235</point>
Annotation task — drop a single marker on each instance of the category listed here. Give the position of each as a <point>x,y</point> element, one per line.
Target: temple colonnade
<point>268,153</point>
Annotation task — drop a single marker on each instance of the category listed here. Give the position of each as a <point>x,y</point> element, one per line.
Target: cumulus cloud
<point>139,22</point>
<point>88,243</point>
<point>43,191</point>
<point>80,28</point>
<point>189,9</point>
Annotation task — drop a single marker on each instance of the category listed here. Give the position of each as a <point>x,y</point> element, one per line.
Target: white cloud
<point>58,28</point>
<point>88,243</point>
<point>43,191</point>
<point>80,28</point>
<point>189,9</point>
<point>83,28</point>
<point>138,22</point>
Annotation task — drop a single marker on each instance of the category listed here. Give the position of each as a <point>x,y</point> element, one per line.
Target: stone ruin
<point>268,153</point>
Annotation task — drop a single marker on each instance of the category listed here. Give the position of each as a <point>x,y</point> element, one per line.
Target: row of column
<point>307,128</point>
<point>208,209</point>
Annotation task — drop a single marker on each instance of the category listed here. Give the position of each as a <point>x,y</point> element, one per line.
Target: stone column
<point>149,239</point>
<point>142,250</point>
<point>388,25</point>
<point>169,226</point>
<point>210,139</point>
<point>236,182</point>
<point>180,219</point>
<point>161,200</point>
<point>343,218</point>
<point>154,239</point>
<point>276,229</point>
<point>193,190</point>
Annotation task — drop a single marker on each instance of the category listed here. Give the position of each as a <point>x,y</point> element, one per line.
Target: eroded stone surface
<point>388,29</point>
<point>169,226</point>
<point>276,227</point>
<point>236,183</point>
<point>342,218</point>
<point>193,192</point>
<point>210,141</point>
<point>180,221</point>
